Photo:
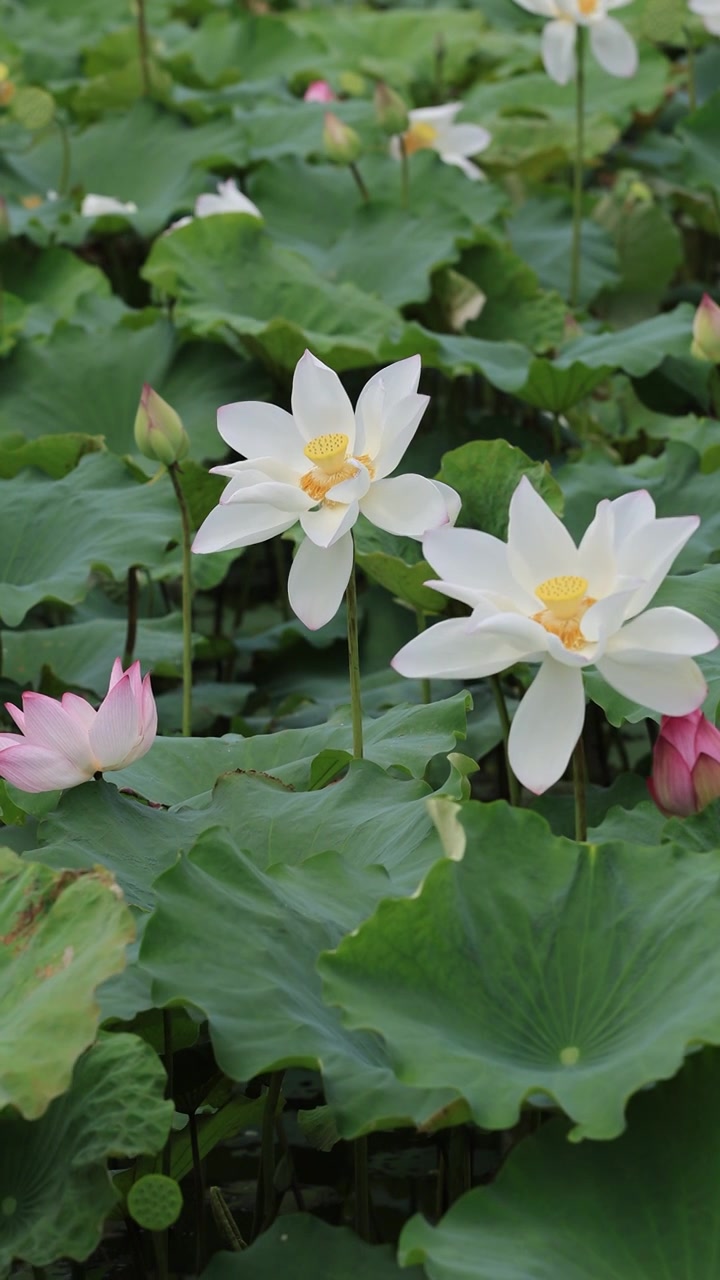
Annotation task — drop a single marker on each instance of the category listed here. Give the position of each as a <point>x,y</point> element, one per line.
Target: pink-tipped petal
<point>117,728</point>
<point>37,769</point>
<point>16,714</point>
<point>79,709</point>
<point>116,674</point>
<point>671,783</point>
<point>49,725</point>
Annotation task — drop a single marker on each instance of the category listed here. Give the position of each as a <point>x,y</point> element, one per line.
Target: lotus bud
<point>706,331</point>
<point>159,433</point>
<point>342,144</point>
<point>319,91</point>
<point>352,84</point>
<point>685,773</point>
<point>391,112</point>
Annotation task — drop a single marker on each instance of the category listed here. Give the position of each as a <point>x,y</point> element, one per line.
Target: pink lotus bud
<point>62,744</point>
<point>159,433</point>
<point>686,764</point>
<point>342,144</point>
<point>706,331</point>
<point>319,91</point>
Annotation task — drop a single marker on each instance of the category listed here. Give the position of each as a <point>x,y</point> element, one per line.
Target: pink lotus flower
<point>319,91</point>
<point>706,331</point>
<point>686,764</point>
<point>65,743</point>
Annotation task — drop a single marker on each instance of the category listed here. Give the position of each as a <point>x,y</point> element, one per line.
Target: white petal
<point>408,505</point>
<point>318,578</point>
<point>240,525</point>
<point>649,553</point>
<point>353,489</point>
<point>255,429</point>
<point>614,47</point>
<point>476,561</point>
<point>604,619</point>
<point>320,403</point>
<point>438,117</point>
<point>544,8</point>
<point>630,512</point>
<point>672,685</point>
<point>229,199</point>
<point>558,50</point>
<point>446,651</point>
<point>327,525</point>
<point>451,499</point>
<point>378,397</point>
<point>400,421</point>
<point>466,139</point>
<point>470,170</point>
<point>269,493</point>
<point>546,726</point>
<point>665,630</point>
<point>596,553</point>
<point>36,769</point>
<point>539,546</point>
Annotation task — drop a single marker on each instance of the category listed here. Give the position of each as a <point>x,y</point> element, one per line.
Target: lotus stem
<point>143,48</point>
<point>132,615</point>
<point>265,1199</point>
<point>578,169</point>
<point>579,784</point>
<point>362,1188</point>
<point>404,174</point>
<point>186,601</point>
<point>513,784</point>
<point>691,82</point>
<point>354,664</point>
<point>359,181</point>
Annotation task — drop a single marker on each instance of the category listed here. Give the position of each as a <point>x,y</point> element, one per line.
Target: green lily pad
<point>51,285</point>
<point>62,934</point>
<point>300,1247</point>
<point>634,1209</point>
<point>273,1015</point>
<point>486,473</point>
<point>536,965</point>
<point>541,233</point>
<point>55,1188</point>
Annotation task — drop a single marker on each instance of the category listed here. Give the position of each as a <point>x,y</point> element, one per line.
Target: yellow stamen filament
<point>587,7</point>
<point>328,453</point>
<point>419,137</point>
<point>565,606</point>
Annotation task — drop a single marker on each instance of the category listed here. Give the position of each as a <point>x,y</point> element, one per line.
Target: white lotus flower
<point>97,206</point>
<point>433,128</point>
<point>323,465</point>
<point>611,44</point>
<point>539,598</point>
<point>709,11</point>
<point>228,199</point>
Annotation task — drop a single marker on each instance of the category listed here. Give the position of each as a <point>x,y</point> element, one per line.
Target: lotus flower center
<point>331,465</point>
<point>566,603</point>
<point>587,7</point>
<point>419,137</point>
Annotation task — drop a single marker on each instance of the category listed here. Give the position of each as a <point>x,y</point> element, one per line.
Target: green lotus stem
<point>692,83</point>
<point>174,471</point>
<point>359,181</point>
<point>224,1221</point>
<point>362,1188</point>
<point>425,687</point>
<point>579,783</point>
<point>143,48</point>
<point>265,1199</point>
<point>199,1186</point>
<point>578,169</point>
<point>404,174</point>
<point>132,615</point>
<point>168,1062</point>
<point>513,784</point>
<point>458,1171</point>
<point>159,1239</point>
<point>354,664</point>
<point>64,179</point>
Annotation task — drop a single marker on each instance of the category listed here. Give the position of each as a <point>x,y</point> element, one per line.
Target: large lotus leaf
<point>223,48</point>
<point>75,381</point>
<point>61,935</point>
<point>267,930</point>
<point>699,133</point>
<point>486,473</point>
<point>177,770</point>
<point>51,285</point>
<point>145,155</point>
<point>650,249</point>
<point>82,653</point>
<point>535,964</point>
<point>541,233</point>
<point>505,364</point>
<point>55,1188</point>
<point>202,377</point>
<point>228,275</point>
<point>515,309</point>
<point>300,1247</point>
<point>267,820</point>
<point>638,1208</point>
<point>556,385</point>
<point>54,532</point>
<point>55,455</point>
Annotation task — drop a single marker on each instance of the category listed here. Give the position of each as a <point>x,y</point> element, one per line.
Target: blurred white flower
<point>323,465</point>
<point>228,199</point>
<point>433,128</point>
<point>709,11</point>
<point>96,206</point>
<point>611,44</point>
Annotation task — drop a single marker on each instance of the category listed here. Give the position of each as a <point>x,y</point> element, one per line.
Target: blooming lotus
<point>64,743</point>
<point>686,764</point>
<point>227,199</point>
<point>611,44</point>
<point>539,598</point>
<point>709,11</point>
<point>433,128</point>
<point>98,206</point>
<point>322,465</point>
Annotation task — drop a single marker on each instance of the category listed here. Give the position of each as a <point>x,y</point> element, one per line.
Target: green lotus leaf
<point>486,473</point>
<point>55,1188</point>
<point>541,233</point>
<point>634,1209</point>
<point>271,1014</point>
<point>52,285</point>
<point>300,1247</point>
<point>115,522</point>
<point>61,934</point>
<point>534,965</point>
